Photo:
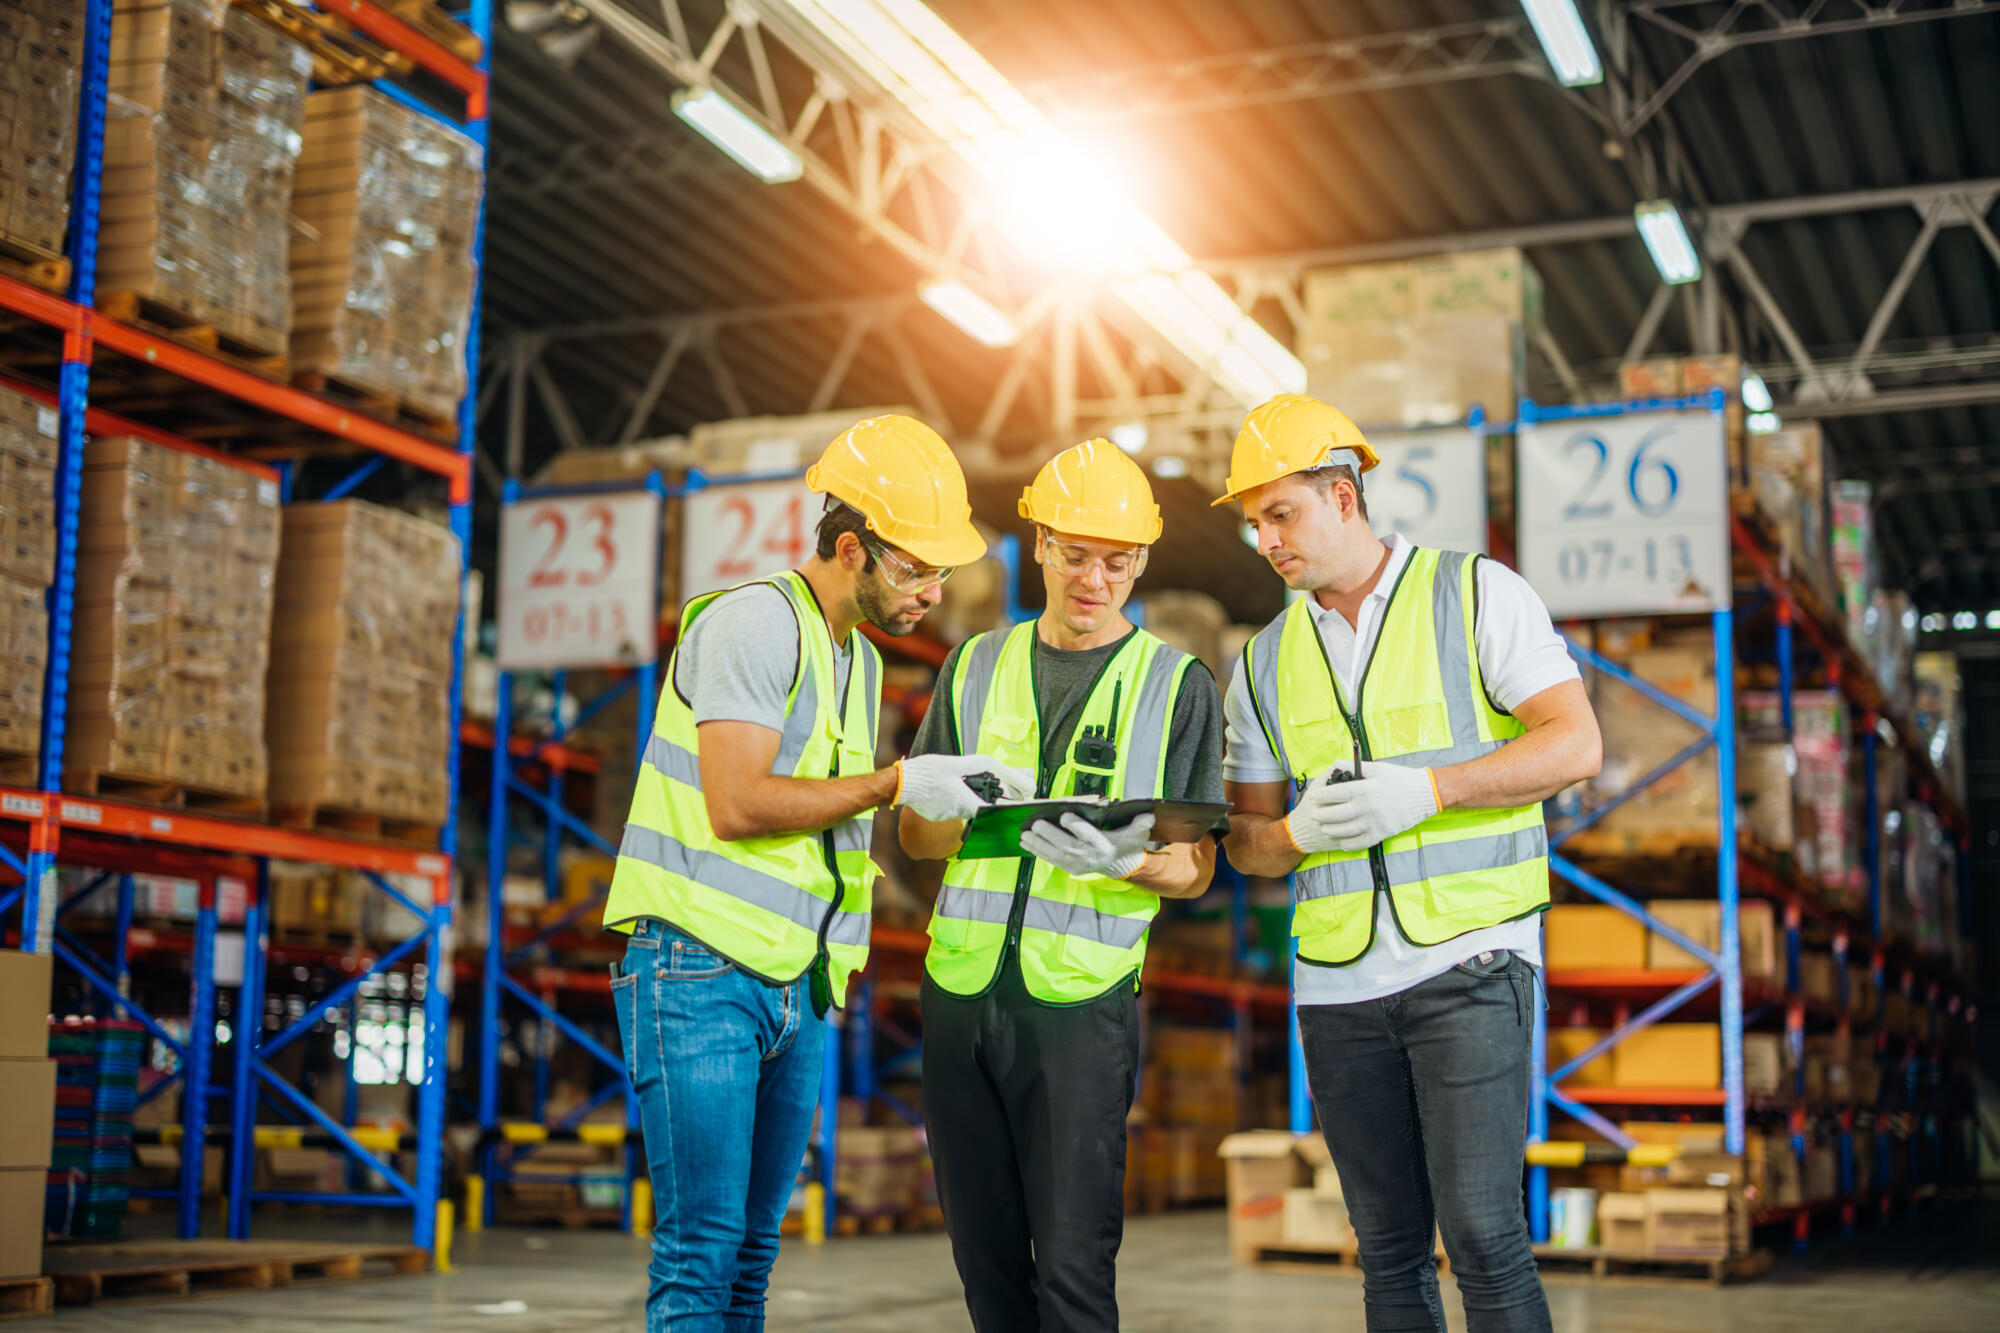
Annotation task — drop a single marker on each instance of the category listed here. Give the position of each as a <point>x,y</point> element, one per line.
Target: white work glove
<point>933,785</point>
<point>1082,848</point>
<point>1348,816</point>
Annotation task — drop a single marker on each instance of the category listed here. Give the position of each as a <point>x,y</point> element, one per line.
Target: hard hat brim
<point>947,550</point>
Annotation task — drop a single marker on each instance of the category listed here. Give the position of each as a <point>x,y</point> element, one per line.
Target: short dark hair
<point>843,517</point>
<point>1322,479</point>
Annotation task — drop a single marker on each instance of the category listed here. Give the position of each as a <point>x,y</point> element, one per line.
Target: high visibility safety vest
<point>1421,702</point>
<point>1078,935</point>
<point>769,904</point>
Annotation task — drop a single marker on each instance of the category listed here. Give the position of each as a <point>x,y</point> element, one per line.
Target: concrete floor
<point>1938,1272</point>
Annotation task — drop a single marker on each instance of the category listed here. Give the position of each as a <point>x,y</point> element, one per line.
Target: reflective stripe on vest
<point>765,903</point>
<point>1423,704</point>
<point>1080,935</point>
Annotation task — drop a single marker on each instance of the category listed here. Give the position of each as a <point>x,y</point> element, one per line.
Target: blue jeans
<point>1423,1099</point>
<point>727,1071</point>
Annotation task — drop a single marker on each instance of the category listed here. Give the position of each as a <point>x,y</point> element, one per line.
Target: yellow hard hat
<point>1094,490</point>
<point>901,476</point>
<point>1293,433</point>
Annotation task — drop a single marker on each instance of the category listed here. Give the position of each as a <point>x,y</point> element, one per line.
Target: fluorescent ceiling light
<point>1131,437</point>
<point>973,313</point>
<point>1763,423</point>
<point>728,127</point>
<point>1565,41</point>
<point>1756,394</point>
<point>1059,207</point>
<point>1666,239</point>
<point>1168,467</point>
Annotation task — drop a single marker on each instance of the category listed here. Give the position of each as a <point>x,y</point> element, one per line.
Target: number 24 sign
<point>1625,514</point>
<point>579,581</point>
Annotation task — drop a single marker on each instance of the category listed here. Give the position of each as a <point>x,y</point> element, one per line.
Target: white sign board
<point>1431,487</point>
<point>579,581</point>
<point>1625,514</point>
<point>733,533</point>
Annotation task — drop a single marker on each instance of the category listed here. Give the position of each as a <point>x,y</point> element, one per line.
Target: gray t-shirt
<point>738,661</point>
<point>1062,684</point>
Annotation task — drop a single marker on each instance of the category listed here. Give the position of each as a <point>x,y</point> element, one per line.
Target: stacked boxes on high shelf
<point>27,1090</point>
<point>41,68</point>
<point>383,294</point>
<point>97,1089</point>
<point>203,129</point>
<point>359,711</point>
<point>1421,342</point>
<point>28,449</point>
<point>1191,1096</point>
<point>174,582</point>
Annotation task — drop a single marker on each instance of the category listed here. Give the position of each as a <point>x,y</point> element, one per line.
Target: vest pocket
<point>1410,729</point>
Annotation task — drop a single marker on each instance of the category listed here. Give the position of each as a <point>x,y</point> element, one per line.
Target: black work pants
<point>1423,1099</point>
<point>1024,1106</point>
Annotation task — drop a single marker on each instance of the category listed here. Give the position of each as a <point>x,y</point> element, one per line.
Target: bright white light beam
<point>724,124</point>
<point>976,316</point>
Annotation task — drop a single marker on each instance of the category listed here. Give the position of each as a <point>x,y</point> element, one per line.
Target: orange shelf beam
<point>1622,979</point>
<point>524,747</point>
<point>399,36</point>
<point>1645,1096</point>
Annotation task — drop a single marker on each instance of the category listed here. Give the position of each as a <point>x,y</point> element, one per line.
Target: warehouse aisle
<point>1937,1273</point>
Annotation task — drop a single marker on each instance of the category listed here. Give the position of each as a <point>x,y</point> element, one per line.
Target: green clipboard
<point>996,830</point>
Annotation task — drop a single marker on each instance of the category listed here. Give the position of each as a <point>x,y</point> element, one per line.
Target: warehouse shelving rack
<point>1739,872</point>
<point>42,825</point>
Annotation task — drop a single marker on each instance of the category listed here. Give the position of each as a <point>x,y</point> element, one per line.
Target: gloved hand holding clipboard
<point>996,830</point>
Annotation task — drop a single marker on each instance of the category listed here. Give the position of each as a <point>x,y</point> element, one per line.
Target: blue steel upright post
<point>1729,957</point>
<point>194,1068</point>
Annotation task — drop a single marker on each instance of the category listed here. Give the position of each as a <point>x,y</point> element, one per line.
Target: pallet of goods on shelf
<point>1938,713</point>
<point>200,141</point>
<point>174,581</point>
<point>41,70</point>
<point>28,1091</point>
<point>28,448</point>
<point>90,1168</point>
<point>383,292</point>
<point>1419,342</point>
<point>358,715</point>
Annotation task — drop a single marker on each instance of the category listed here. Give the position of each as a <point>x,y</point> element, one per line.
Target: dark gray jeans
<point>1423,1098</point>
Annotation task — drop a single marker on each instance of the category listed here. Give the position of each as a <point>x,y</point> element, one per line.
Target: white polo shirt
<point>1520,655</point>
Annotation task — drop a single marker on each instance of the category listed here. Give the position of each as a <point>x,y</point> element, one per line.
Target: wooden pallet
<point>153,316</point>
<point>1602,1264</point>
<point>24,1296</point>
<point>33,265</point>
<point>131,1270</point>
<point>20,770</point>
<point>147,789</point>
<point>332,819</point>
<point>377,403</point>
<point>340,55</point>
<point>431,20</point>
<point>927,1218</point>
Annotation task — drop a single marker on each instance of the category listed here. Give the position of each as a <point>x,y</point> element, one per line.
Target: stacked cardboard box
<point>1193,1078</point>
<point>880,1169</point>
<point>361,652</point>
<point>28,448</point>
<point>1939,716</point>
<point>1756,935</point>
<point>1421,342</point>
<point>1788,487</point>
<point>1260,1166</point>
<point>41,68</point>
<point>27,1090</point>
<point>1639,736</point>
<point>206,108</point>
<point>1193,622</point>
<point>314,902</point>
<point>1826,835</point>
<point>1172,1166</point>
<point>174,580</point>
<point>1315,1215</point>
<point>1853,541</point>
<point>383,296</point>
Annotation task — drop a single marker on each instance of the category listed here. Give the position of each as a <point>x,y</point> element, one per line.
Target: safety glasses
<point>1074,561</point>
<point>903,574</point>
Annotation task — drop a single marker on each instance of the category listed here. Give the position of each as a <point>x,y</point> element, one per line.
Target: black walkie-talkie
<point>1097,749</point>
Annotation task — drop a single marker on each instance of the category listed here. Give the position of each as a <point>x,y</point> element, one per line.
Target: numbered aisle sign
<point>731,533</point>
<point>579,581</point>
<point>1625,514</point>
<point>1431,487</point>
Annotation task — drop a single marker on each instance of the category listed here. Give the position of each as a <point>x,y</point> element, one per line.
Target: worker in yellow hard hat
<point>1392,736</point>
<point>1031,1026</point>
<point>744,878</point>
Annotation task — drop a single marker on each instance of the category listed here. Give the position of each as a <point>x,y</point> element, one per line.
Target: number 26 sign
<point>1625,513</point>
<point>579,581</point>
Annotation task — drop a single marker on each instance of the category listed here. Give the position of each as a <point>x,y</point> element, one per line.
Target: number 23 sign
<point>1626,513</point>
<point>579,581</point>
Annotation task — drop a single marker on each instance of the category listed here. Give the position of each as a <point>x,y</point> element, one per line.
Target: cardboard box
<point>28,1091</point>
<point>1314,1222</point>
<point>1706,1171</point>
<point>1756,928</point>
<point>1691,1223</point>
<point>1766,1064</point>
<point>1260,1166</point>
<point>1477,282</point>
<point>1819,979</point>
<point>24,1005</point>
<point>1621,1223</point>
<point>21,1200</point>
<point>1565,1044</point>
<point>1670,1055</point>
<point>1590,937</point>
